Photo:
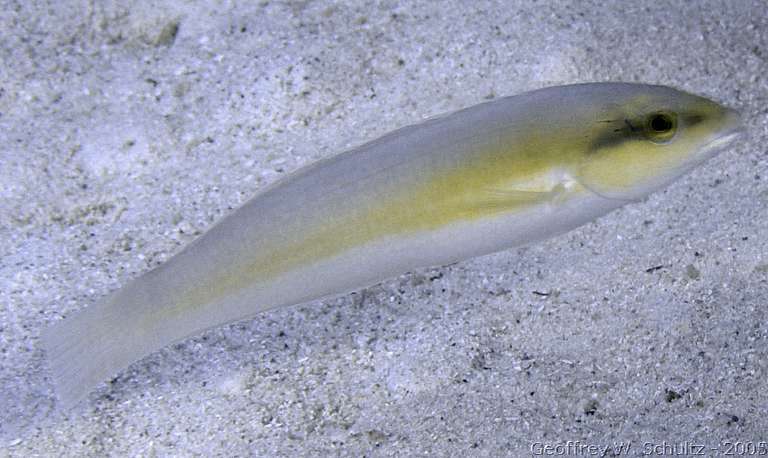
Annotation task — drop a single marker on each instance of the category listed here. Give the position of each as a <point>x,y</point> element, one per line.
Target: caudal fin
<point>89,347</point>
<point>81,353</point>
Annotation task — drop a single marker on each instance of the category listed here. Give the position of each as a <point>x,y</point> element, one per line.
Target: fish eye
<point>661,123</point>
<point>661,127</point>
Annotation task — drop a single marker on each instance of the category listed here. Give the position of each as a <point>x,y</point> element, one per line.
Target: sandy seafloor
<point>126,131</point>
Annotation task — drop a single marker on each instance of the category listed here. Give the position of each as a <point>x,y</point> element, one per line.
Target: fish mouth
<point>726,136</point>
<point>719,143</point>
<point>730,127</point>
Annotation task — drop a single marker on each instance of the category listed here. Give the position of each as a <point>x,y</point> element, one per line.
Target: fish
<point>501,174</point>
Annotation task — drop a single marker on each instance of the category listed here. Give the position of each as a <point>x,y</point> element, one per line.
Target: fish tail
<point>96,343</point>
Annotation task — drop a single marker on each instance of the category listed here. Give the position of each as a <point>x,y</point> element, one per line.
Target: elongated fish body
<point>493,176</point>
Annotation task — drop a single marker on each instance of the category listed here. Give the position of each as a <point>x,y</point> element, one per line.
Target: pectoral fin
<point>500,199</point>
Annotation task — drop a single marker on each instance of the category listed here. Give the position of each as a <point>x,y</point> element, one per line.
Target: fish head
<point>643,137</point>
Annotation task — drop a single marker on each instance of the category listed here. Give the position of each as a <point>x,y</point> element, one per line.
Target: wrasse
<point>483,179</point>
